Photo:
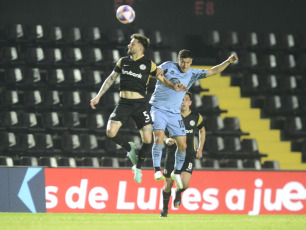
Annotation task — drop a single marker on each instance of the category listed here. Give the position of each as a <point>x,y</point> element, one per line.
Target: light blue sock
<point>157,152</point>
<point>179,159</point>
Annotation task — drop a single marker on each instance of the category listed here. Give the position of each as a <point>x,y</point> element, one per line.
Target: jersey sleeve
<point>153,69</point>
<point>200,123</point>
<point>164,66</point>
<point>197,74</point>
<point>118,66</point>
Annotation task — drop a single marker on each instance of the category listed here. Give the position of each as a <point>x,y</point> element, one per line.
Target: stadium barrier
<point>83,190</point>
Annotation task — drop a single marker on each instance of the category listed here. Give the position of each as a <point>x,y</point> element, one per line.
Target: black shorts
<point>135,108</point>
<point>170,158</point>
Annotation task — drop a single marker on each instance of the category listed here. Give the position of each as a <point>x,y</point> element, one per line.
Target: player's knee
<point>158,140</point>
<point>168,185</point>
<point>147,139</point>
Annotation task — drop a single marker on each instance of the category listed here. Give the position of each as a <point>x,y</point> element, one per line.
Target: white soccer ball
<point>125,14</point>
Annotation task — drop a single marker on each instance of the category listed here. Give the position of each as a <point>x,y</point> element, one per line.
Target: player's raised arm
<point>219,68</point>
<point>105,86</point>
<point>168,84</point>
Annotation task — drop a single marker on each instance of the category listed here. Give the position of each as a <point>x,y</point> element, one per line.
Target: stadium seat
<point>232,125</point>
<point>73,35</point>
<point>30,122</point>
<point>7,141</point>
<point>236,164</point>
<point>33,98</point>
<point>15,33</point>
<point>48,162</point>
<point>35,56</point>
<point>272,165</point>
<point>71,99</point>
<point>73,56</point>
<point>6,161</point>
<point>28,161</point>
<point>211,38</point>
<point>67,162</point>
<point>10,120</point>
<point>269,41</point>
<point>252,164</point>
<point>96,122</point>
<point>55,77</point>
<point>90,162</point>
<point>55,35</point>
<point>210,105</point>
<point>230,40</point>
<point>51,99</point>
<point>73,77</point>
<point>9,55</point>
<point>93,78</point>
<point>107,162</point>
<point>52,122</point>
<point>210,164</point>
<point>10,99</point>
<point>54,56</point>
<point>94,35</point>
<point>250,41</point>
<point>295,127</point>
<point>32,78</point>
<point>70,143</point>
<point>36,34</point>
<point>117,37</point>
<point>13,76</point>
<point>94,56</point>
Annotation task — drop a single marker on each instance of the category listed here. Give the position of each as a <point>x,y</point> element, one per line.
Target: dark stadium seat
<point>6,161</point>
<point>210,164</point>
<point>210,105</point>
<point>33,98</point>
<point>250,41</point>
<point>94,56</point>
<point>54,56</point>
<point>35,34</point>
<point>28,161</point>
<point>51,99</point>
<point>67,162</point>
<point>253,164</point>
<point>295,127</point>
<point>55,77</point>
<point>52,122</point>
<point>230,40</point>
<point>15,33</point>
<point>236,164</point>
<point>48,162</point>
<point>211,38</point>
<point>73,77</point>
<point>9,99</point>
<point>32,77</point>
<point>35,56</point>
<point>71,99</point>
<point>13,76</point>
<point>9,55</point>
<point>232,125</point>
<point>107,162</point>
<point>96,122</point>
<point>73,35</point>
<point>55,35</point>
<point>270,165</point>
<point>269,41</point>
<point>94,35</point>
<point>93,78</point>
<point>7,141</point>
<point>90,162</point>
<point>117,37</point>
<point>73,56</point>
<point>10,120</point>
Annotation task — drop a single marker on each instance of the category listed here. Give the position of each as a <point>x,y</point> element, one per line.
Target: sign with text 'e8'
<point>210,192</point>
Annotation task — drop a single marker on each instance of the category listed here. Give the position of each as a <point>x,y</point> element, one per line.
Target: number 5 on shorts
<point>147,116</point>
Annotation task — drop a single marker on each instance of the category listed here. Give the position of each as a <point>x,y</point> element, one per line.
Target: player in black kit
<point>193,121</point>
<point>135,71</point>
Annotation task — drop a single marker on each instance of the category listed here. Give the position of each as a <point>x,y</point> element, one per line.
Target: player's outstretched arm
<point>168,84</point>
<point>219,68</point>
<point>105,86</point>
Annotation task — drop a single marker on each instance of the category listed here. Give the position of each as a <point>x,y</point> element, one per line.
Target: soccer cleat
<point>158,176</point>
<point>163,213</point>
<point>177,179</point>
<point>138,174</point>
<point>178,199</point>
<point>131,154</point>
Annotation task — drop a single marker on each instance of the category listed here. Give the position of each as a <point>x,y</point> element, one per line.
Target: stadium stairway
<point>269,141</point>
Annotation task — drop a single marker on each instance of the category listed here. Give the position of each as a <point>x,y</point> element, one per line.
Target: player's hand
<point>180,87</point>
<point>169,141</point>
<point>199,154</point>
<point>94,101</point>
<point>159,71</point>
<point>232,58</point>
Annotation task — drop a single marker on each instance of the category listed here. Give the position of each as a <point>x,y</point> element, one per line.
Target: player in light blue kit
<point>166,113</point>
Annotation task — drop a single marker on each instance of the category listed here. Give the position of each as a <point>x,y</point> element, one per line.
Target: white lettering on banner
<point>289,196</point>
<point>212,202</point>
<point>239,194</point>
<point>51,200</point>
<point>96,196</point>
<point>121,204</point>
<point>80,191</point>
<point>277,205</point>
<point>151,204</point>
<point>190,196</point>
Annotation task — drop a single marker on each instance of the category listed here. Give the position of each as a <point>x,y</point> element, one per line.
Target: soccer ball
<point>125,14</point>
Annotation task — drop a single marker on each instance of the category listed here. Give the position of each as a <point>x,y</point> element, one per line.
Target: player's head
<point>184,60</point>
<point>139,43</point>
<point>186,102</point>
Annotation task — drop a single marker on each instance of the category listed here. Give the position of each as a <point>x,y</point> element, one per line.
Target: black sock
<point>143,151</point>
<point>157,169</point>
<point>166,197</point>
<point>179,191</point>
<point>118,139</point>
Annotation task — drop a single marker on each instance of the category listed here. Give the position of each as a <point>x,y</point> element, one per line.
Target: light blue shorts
<point>163,120</point>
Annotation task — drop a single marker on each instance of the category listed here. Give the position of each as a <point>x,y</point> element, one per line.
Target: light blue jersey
<point>167,99</point>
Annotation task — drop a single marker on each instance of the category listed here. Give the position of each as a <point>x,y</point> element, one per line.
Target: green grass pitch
<point>48,221</point>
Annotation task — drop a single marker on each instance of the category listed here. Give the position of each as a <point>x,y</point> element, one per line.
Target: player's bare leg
<point>157,151</point>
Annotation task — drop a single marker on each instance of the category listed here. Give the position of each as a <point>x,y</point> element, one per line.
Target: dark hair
<point>185,54</point>
<point>190,95</point>
<point>144,41</point>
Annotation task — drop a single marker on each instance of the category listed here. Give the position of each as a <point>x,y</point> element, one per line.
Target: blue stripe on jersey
<point>168,99</point>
